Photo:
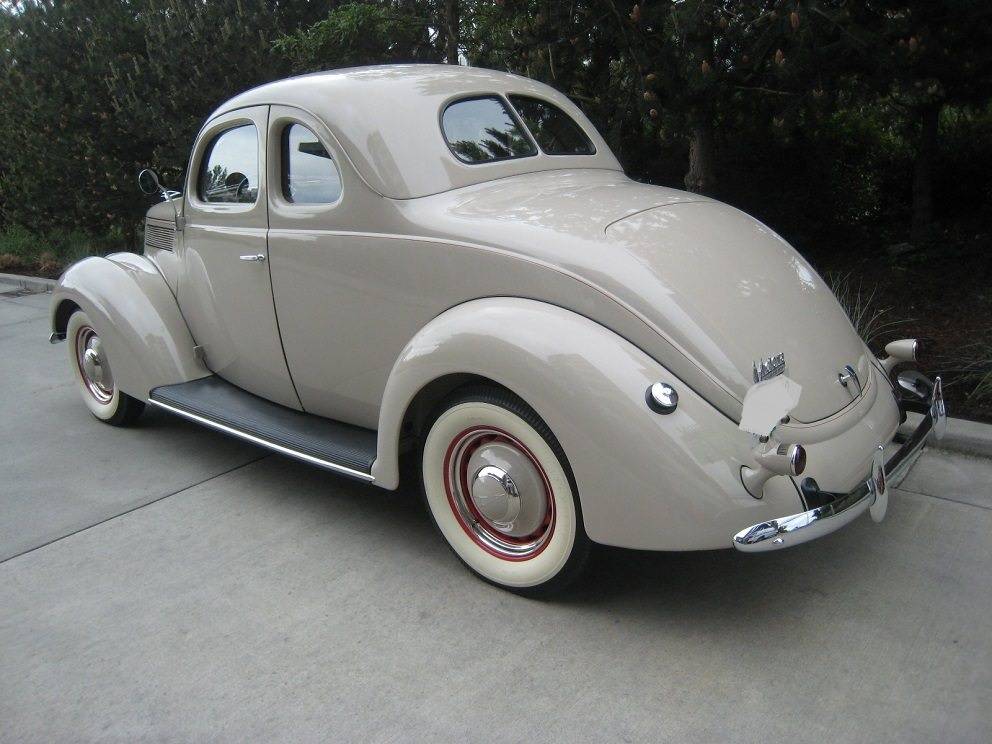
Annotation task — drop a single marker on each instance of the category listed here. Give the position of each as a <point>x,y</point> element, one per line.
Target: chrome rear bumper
<point>841,509</point>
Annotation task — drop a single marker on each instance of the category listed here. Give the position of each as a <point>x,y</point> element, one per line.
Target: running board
<point>217,404</point>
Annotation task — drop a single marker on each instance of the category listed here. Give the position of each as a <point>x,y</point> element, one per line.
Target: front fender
<point>645,480</point>
<point>137,317</point>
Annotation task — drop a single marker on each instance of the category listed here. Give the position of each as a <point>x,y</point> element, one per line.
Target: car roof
<point>387,119</point>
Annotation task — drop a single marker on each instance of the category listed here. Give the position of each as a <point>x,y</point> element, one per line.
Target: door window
<point>309,175</point>
<point>229,169</point>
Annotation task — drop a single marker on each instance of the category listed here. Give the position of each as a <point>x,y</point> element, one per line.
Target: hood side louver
<point>160,237</point>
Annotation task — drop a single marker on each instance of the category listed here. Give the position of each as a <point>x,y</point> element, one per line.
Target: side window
<point>481,130</point>
<point>309,175</point>
<point>229,169</point>
<point>554,130</point>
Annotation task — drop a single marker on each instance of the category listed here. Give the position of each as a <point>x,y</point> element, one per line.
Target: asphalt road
<point>165,583</point>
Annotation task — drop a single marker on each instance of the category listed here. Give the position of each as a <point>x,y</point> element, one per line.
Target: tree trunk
<point>921,227</point>
<point>700,177</point>
<point>452,31</point>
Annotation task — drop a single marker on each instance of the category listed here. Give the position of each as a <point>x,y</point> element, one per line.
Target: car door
<point>314,199</point>
<point>225,292</point>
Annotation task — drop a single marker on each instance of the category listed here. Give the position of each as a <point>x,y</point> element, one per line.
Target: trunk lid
<point>718,284</point>
<point>733,293</point>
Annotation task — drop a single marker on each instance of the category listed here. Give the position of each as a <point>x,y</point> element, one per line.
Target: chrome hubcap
<point>499,492</point>
<point>93,366</point>
<point>496,496</point>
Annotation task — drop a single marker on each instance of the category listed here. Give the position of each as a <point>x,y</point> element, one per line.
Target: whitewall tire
<point>94,374</point>
<point>501,493</point>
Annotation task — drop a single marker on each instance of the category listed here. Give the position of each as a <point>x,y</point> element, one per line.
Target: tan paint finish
<point>341,351</point>
<point>645,481</point>
<point>353,282</point>
<point>228,302</point>
<point>386,119</point>
<point>167,262</point>
<point>134,313</point>
<point>718,289</point>
<point>839,463</point>
<point>730,291</point>
<point>700,286</point>
<point>559,278</point>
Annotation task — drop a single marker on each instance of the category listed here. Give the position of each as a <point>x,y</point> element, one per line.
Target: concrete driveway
<point>167,583</point>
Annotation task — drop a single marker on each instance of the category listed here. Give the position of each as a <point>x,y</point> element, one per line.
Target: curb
<point>967,438</point>
<point>963,437</point>
<point>35,283</point>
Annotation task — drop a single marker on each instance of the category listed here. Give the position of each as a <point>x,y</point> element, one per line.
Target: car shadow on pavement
<point>697,586</point>
<point>714,590</point>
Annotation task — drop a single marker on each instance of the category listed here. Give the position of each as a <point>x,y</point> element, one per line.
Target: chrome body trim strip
<point>796,529</point>
<point>310,459</point>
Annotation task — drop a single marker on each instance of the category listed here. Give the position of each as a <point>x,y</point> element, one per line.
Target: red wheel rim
<point>93,368</point>
<point>490,535</point>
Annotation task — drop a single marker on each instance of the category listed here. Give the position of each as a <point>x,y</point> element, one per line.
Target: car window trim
<point>282,172</point>
<point>565,114</point>
<point>513,115</point>
<point>205,158</point>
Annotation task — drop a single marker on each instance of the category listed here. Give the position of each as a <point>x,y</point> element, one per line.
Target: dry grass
<point>869,319</point>
<point>9,262</point>
<point>973,365</point>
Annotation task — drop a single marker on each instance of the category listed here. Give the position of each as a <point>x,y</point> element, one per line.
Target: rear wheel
<point>501,493</point>
<point>93,373</point>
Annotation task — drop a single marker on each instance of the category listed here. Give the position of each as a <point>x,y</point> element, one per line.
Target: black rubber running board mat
<point>224,404</point>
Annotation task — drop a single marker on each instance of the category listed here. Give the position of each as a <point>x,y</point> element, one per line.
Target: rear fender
<point>659,482</point>
<point>137,317</point>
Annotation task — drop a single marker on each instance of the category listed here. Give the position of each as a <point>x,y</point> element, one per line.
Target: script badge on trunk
<point>765,369</point>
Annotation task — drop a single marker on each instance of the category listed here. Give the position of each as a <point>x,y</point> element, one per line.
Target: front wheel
<point>501,493</point>
<point>94,375</point>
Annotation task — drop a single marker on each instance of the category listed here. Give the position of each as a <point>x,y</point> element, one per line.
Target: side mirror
<point>148,182</point>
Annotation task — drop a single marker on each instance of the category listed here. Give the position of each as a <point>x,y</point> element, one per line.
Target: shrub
<point>50,253</point>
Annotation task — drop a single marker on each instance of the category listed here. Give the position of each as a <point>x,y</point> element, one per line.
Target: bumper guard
<point>838,509</point>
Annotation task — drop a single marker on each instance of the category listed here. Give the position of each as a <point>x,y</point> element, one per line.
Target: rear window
<point>482,130</point>
<point>555,131</point>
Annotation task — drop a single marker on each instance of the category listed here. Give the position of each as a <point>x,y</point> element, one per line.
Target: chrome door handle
<point>253,257</point>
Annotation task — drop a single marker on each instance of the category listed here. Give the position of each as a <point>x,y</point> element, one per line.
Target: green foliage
<point>91,91</point>
<point>360,34</point>
<point>23,250</point>
<point>804,112</point>
<point>62,153</point>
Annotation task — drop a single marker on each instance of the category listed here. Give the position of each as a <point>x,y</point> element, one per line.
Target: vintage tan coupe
<point>450,262</point>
